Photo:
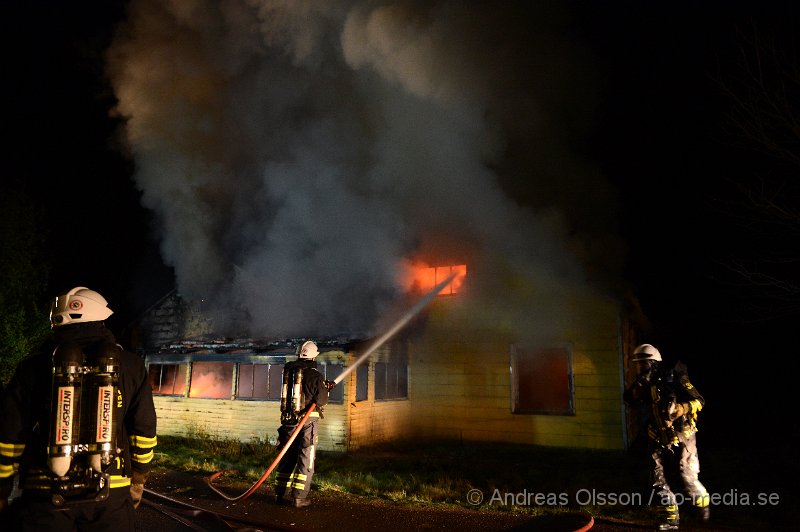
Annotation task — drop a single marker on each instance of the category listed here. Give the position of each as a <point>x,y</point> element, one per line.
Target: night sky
<point>659,133</point>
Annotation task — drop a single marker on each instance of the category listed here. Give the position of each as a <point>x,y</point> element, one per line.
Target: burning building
<point>303,160</point>
<point>440,377</point>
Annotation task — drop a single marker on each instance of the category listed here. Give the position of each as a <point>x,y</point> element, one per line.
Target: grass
<point>510,478</point>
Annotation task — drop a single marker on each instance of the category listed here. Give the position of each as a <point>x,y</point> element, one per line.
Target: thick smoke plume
<point>298,154</point>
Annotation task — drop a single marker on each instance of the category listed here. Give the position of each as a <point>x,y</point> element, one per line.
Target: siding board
<point>459,387</point>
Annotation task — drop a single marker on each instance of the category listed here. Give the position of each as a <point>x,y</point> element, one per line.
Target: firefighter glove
<point>679,410</point>
<point>329,384</point>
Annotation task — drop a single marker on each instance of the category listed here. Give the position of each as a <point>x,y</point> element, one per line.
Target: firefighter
<point>77,425</point>
<point>303,385</point>
<point>668,405</point>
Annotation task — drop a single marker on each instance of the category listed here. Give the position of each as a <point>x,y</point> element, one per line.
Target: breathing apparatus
<point>292,397</point>
<point>85,414</point>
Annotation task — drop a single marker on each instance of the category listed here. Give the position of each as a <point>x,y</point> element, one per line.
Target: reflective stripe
<point>143,442</point>
<point>44,482</point>
<point>314,414</point>
<point>11,450</point>
<point>42,487</point>
<point>294,476</point>
<point>7,471</point>
<point>696,405</point>
<point>143,458</point>
<point>291,484</point>
<point>117,481</point>
<point>702,499</point>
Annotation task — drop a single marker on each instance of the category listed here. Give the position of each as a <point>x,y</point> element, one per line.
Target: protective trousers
<point>681,458</point>
<point>294,473</point>
<point>115,514</point>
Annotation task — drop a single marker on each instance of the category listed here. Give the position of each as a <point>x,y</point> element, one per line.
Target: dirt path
<point>347,512</point>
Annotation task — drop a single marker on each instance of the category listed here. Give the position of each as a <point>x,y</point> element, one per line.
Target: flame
<point>211,380</point>
<point>419,276</point>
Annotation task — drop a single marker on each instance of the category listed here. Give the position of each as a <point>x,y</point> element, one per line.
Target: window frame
<point>362,383</point>
<point>231,382</point>
<point>180,368</point>
<point>271,366</point>
<point>516,352</point>
<point>333,395</point>
<point>279,359</point>
<point>397,358</point>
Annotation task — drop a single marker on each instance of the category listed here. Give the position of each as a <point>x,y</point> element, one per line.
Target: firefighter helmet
<point>646,352</point>
<point>77,306</point>
<point>308,350</point>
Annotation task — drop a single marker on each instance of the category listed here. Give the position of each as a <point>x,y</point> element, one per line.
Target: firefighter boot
<point>669,518</point>
<point>704,514</point>
<point>302,503</point>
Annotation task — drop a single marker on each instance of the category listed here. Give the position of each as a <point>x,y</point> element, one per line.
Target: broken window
<point>211,380</point>
<point>541,381</point>
<point>167,379</point>
<point>259,381</point>
<point>423,278</point>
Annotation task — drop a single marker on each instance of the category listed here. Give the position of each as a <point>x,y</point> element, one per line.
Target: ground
<point>340,511</point>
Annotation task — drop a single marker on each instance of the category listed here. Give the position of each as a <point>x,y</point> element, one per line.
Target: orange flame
<point>420,277</point>
<point>211,380</point>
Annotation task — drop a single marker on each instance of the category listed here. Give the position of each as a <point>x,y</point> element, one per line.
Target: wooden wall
<point>244,419</point>
<point>460,384</point>
<point>459,387</point>
<point>374,421</point>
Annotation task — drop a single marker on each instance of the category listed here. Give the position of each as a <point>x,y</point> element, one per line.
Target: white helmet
<point>77,306</point>
<point>646,352</point>
<point>308,350</point>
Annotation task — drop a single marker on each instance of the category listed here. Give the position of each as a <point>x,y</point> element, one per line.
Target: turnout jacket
<point>314,390</point>
<point>667,392</point>
<point>25,414</point>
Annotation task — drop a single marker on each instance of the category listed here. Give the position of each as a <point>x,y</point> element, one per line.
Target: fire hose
<point>269,470</point>
<point>413,311</point>
<point>205,520</point>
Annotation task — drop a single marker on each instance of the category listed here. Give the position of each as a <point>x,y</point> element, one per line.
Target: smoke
<point>295,154</point>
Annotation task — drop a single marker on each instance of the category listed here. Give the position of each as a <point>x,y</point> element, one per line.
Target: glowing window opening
<point>167,379</point>
<point>423,278</point>
<point>542,381</point>
<point>211,380</point>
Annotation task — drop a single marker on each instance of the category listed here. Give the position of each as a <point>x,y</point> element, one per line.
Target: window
<point>541,381</point>
<point>259,381</point>
<point>330,372</point>
<point>167,379</point>
<point>362,382</point>
<point>391,378</point>
<point>423,278</point>
<point>211,380</point>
